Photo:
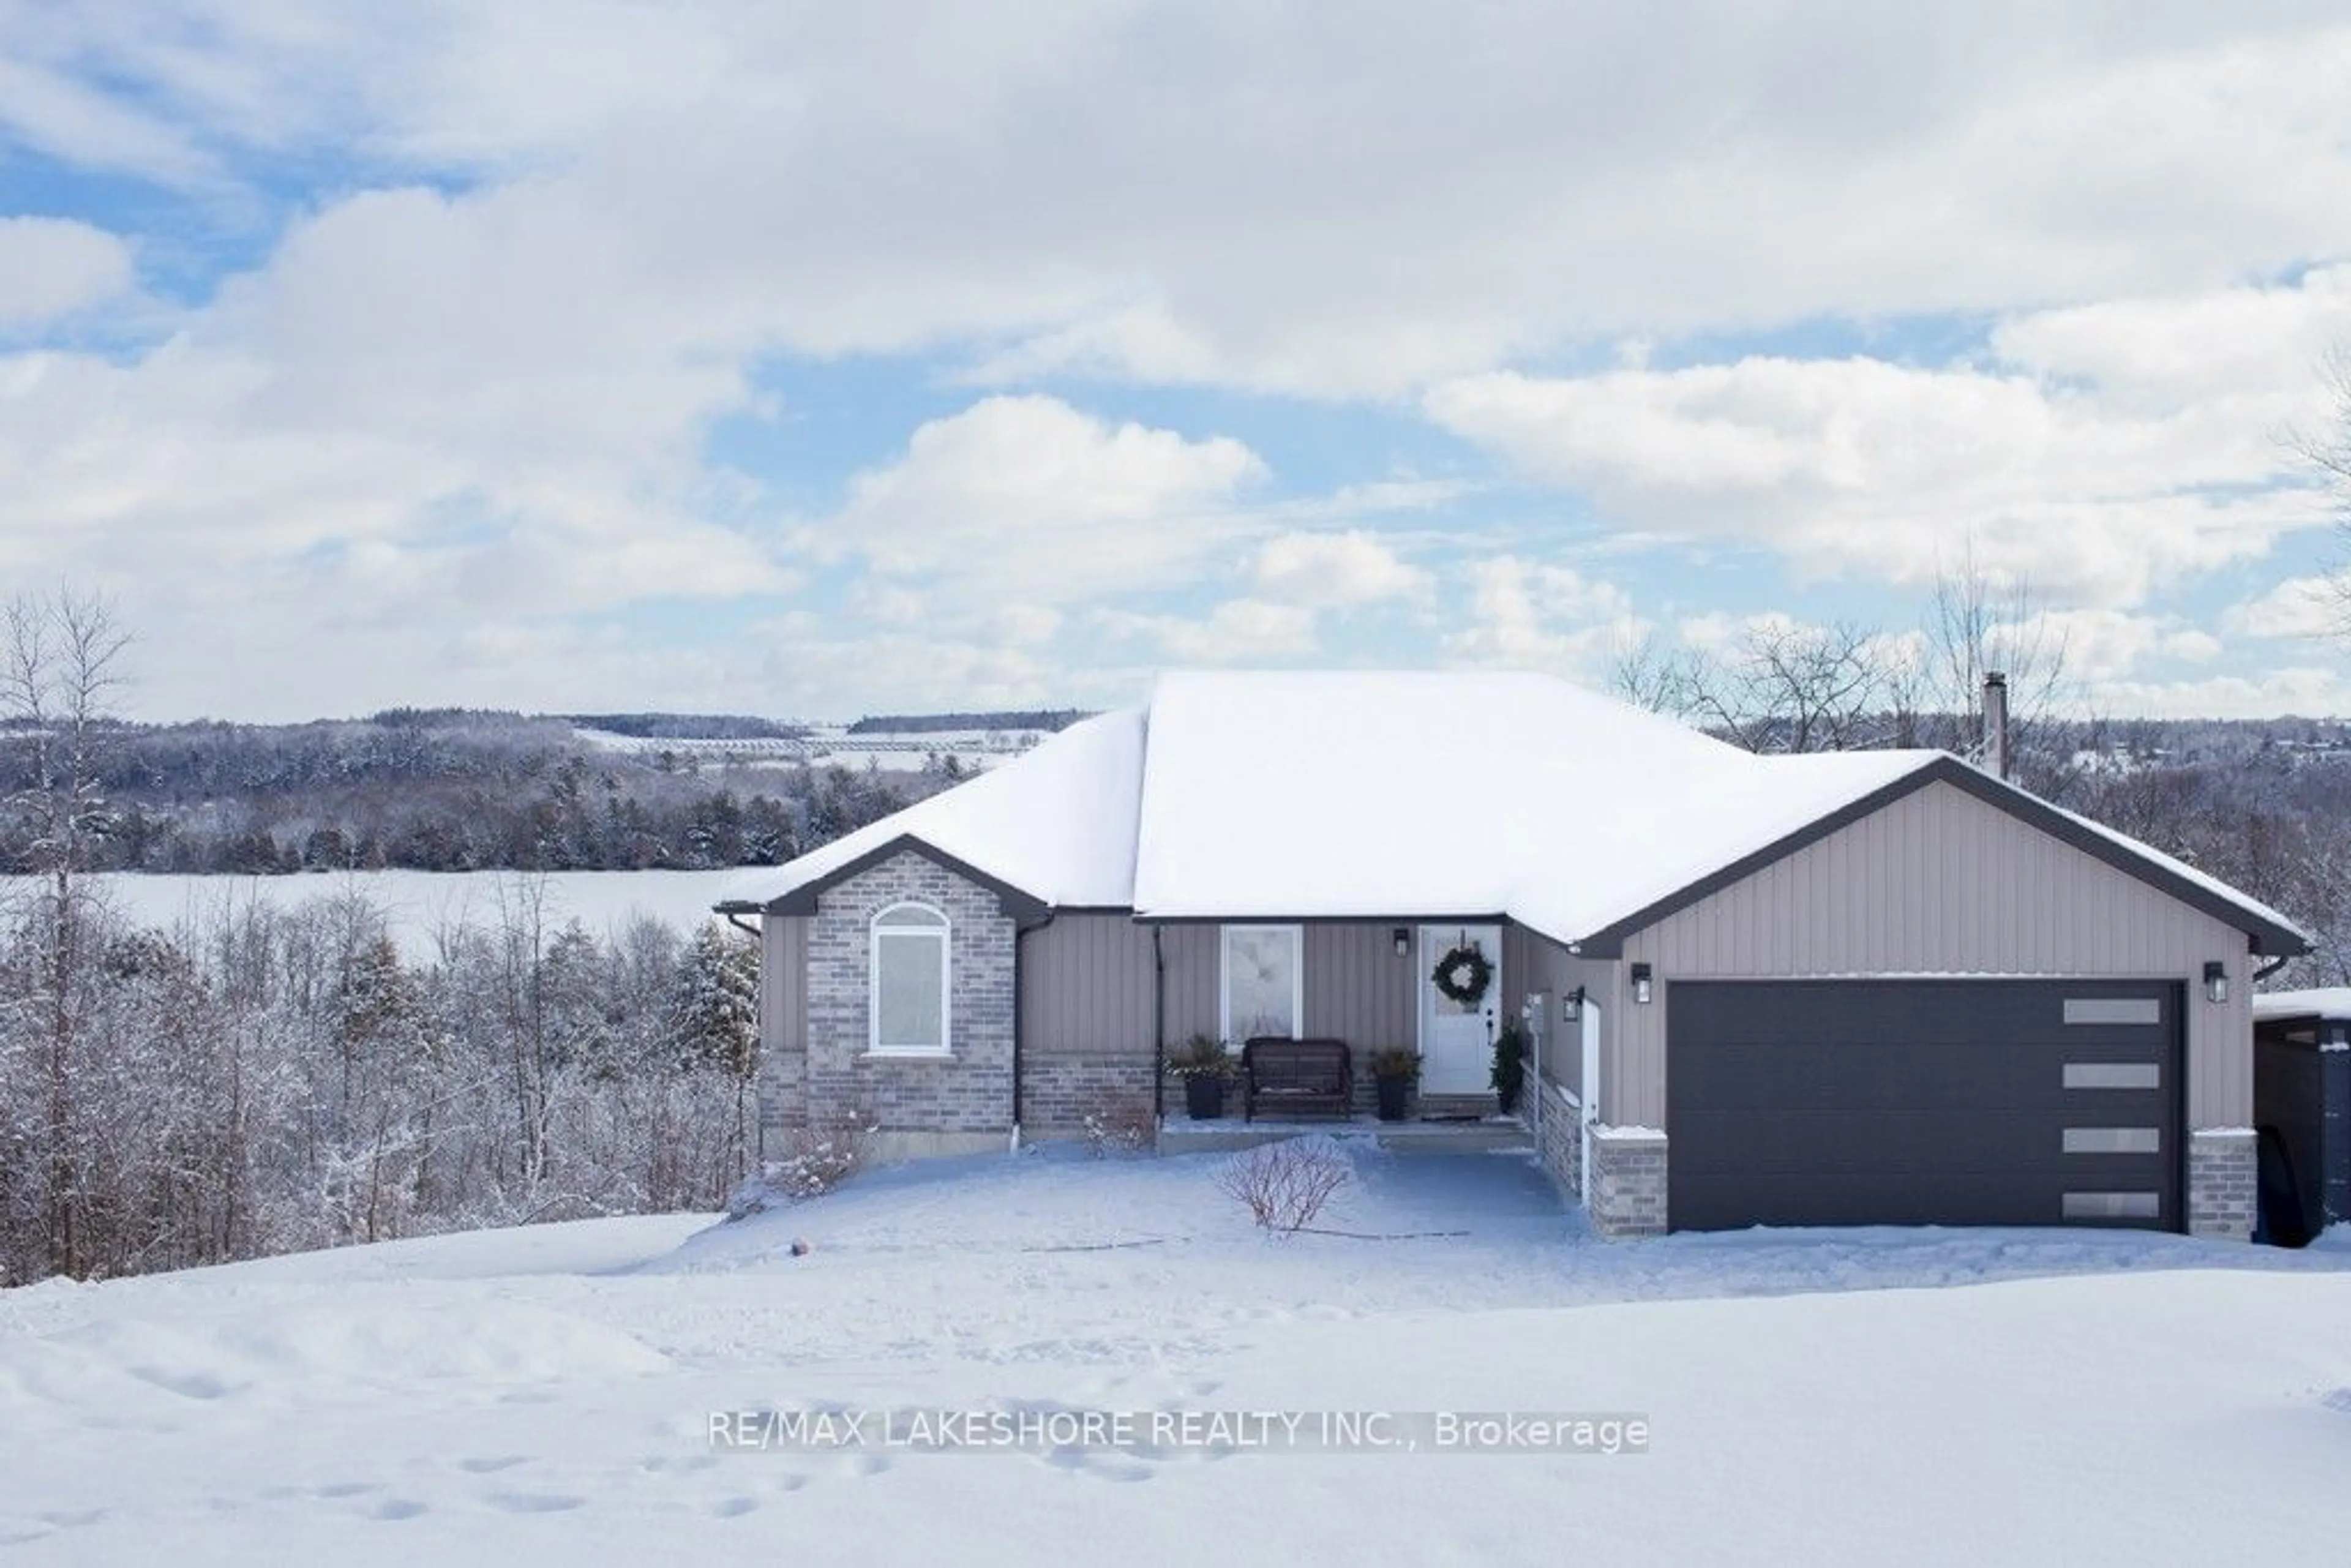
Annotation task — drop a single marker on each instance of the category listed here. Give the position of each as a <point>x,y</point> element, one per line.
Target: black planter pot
<point>1395,1093</point>
<point>1204,1097</point>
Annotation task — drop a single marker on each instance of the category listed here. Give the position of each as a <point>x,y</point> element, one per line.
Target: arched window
<point>909,985</point>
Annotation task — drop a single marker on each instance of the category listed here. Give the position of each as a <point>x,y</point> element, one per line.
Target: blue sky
<point>811,359</point>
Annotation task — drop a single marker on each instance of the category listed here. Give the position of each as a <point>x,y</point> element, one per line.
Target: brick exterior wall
<point>968,1092</point>
<point>1629,1183</point>
<point>2222,1183</point>
<point>1559,1136</point>
<point>1058,1092</point>
<point>783,1097</point>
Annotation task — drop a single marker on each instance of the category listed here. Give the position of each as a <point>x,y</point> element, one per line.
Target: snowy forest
<point>449,789</point>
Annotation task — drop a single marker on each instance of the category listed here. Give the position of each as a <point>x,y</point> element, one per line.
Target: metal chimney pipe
<point>1995,725</point>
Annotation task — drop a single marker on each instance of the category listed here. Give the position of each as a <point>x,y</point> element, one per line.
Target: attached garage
<point>1925,1102</point>
<point>1946,1004</point>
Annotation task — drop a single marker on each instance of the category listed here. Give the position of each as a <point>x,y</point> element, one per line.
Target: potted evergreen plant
<point>1395,1070</point>
<point>1509,1076</point>
<point>1204,1066</point>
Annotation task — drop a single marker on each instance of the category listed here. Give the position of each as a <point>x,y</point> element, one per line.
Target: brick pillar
<point>1559,1134</point>
<point>1628,1182</point>
<point>2222,1183</point>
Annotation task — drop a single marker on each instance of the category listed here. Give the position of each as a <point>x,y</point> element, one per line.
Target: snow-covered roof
<point>1237,795</point>
<point>1446,795</point>
<point>1058,823</point>
<point>2325,1002</point>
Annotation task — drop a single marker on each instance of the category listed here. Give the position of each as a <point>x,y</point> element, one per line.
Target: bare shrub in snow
<point>1122,1125</point>
<point>821,1157</point>
<point>1284,1186</point>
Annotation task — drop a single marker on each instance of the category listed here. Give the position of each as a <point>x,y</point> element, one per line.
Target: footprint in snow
<point>735,1507</point>
<point>491,1465</point>
<point>535,1502</point>
<point>394,1508</point>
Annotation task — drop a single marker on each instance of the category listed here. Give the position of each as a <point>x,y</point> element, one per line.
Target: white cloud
<point>1534,615</point>
<point>2102,492</point>
<point>2304,691</point>
<point>1028,499</point>
<point>1334,570</point>
<point>2299,607</point>
<point>471,385</point>
<point>2103,646</point>
<point>1236,632</point>
<point>1262,197</point>
<point>56,267</point>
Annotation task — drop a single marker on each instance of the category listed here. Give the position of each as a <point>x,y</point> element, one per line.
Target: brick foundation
<point>1628,1182</point>
<point>2223,1175</point>
<point>1059,1092</point>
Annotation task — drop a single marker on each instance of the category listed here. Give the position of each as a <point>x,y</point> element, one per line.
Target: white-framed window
<point>908,985</point>
<point>1261,989</point>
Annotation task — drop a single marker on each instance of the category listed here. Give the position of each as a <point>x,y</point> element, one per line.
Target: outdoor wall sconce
<point>2216,981</point>
<point>1642,990</point>
<point>1570,1006</point>
<point>1403,940</point>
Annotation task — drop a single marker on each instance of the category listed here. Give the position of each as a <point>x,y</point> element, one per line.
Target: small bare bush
<point>1121,1126</point>
<point>821,1157</point>
<point>1284,1186</point>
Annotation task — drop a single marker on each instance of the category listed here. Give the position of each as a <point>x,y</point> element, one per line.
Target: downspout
<point>1158,1027</point>
<point>760,1123</point>
<point>2271,967</point>
<point>1017,934</point>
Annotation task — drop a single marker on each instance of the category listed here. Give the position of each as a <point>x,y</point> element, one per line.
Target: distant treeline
<point>440,791</point>
<point>1052,720</point>
<point>687,725</point>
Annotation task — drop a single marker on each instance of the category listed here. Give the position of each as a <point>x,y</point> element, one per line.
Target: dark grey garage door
<point>1922,1103</point>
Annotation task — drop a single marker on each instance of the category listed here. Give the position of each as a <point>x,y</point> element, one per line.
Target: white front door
<point>1457,1038</point>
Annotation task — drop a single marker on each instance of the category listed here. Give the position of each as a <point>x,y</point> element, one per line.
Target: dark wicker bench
<point>1297,1077</point>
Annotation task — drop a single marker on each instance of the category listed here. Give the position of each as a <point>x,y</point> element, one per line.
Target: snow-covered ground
<point>546,1394</point>
<point>421,902</point>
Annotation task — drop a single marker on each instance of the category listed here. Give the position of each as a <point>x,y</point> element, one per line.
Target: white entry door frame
<point>1456,1040</point>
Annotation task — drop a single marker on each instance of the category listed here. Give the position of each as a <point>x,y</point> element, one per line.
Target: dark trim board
<point>1926,1101</point>
<point>2266,937</point>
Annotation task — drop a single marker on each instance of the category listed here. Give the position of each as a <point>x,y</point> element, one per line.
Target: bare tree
<point>59,671</point>
<point>1785,687</point>
<point>1644,673</point>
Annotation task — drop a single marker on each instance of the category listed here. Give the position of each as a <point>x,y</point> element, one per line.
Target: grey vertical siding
<point>1086,986</point>
<point>1191,957</point>
<point>1941,882</point>
<point>1357,989</point>
<point>783,982</point>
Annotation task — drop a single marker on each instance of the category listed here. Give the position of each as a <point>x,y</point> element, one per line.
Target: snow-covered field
<point>421,902</point>
<point>546,1394</point>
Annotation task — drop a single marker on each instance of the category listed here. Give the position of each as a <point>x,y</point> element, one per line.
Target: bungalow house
<point>1846,989</point>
